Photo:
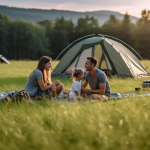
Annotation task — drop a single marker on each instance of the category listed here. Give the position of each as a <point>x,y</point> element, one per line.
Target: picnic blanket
<point>6,93</point>
<point>114,95</point>
<point>117,95</point>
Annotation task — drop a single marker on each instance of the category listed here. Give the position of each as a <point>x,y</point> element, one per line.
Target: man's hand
<point>84,90</point>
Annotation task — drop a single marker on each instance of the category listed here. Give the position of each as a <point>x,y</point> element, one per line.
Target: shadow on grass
<point>10,84</point>
<point>18,83</point>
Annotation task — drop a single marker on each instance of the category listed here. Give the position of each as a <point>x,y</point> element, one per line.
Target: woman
<point>39,82</point>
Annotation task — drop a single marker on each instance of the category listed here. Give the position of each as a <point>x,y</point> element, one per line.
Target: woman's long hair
<point>46,73</point>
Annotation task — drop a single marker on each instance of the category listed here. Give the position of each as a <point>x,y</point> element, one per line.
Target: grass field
<point>111,125</point>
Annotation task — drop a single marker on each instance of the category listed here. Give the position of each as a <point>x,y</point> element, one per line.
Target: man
<point>96,79</point>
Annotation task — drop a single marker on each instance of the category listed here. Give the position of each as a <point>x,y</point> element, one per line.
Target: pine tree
<point>126,28</point>
<point>143,34</point>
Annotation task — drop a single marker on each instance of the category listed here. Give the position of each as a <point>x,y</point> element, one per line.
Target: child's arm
<point>77,93</point>
<point>79,97</point>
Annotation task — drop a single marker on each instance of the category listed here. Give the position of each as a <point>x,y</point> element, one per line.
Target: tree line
<point>21,39</point>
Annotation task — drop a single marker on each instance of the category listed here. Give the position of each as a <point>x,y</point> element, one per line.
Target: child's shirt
<point>76,86</point>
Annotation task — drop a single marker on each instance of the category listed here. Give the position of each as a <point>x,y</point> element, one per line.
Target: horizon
<point>134,7</point>
<point>67,10</point>
<point>56,9</point>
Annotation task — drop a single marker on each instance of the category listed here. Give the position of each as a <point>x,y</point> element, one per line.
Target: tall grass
<point>114,124</point>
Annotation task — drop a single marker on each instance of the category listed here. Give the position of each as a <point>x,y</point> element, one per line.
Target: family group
<point>39,81</point>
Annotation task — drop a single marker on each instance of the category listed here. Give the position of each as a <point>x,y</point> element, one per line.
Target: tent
<point>114,56</point>
<point>3,59</point>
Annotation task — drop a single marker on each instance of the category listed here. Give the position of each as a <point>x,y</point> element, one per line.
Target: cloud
<point>57,2</point>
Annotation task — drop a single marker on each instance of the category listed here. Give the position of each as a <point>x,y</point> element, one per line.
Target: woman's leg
<point>56,89</point>
<point>41,94</point>
<point>53,91</point>
<point>59,88</point>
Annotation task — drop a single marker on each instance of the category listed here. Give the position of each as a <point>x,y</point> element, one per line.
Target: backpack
<point>21,96</point>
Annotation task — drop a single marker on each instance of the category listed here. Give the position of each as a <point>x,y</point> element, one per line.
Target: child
<point>75,92</point>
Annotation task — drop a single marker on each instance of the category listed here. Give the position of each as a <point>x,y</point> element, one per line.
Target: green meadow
<point>121,124</point>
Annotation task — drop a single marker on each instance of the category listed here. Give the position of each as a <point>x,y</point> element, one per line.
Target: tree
<point>5,23</point>
<point>112,27</point>
<point>5,18</point>
<point>145,16</point>
<point>67,26</point>
<point>143,34</point>
<point>49,25</point>
<point>27,40</point>
<point>126,30</point>
<point>113,19</point>
<point>59,42</point>
<point>62,35</point>
<point>86,26</point>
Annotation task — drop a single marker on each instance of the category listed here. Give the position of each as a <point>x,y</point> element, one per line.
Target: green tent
<point>114,56</point>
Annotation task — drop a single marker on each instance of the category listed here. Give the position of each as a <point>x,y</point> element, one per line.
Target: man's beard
<point>89,69</point>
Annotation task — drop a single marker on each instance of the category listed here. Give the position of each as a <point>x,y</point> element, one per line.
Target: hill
<point>36,15</point>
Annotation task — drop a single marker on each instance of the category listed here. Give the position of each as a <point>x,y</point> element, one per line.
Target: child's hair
<point>76,73</point>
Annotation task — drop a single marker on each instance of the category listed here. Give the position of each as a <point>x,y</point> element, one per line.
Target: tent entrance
<point>79,62</point>
<point>96,51</point>
<point>103,62</point>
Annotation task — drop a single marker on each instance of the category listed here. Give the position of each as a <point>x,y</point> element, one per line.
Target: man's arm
<point>84,85</point>
<point>101,90</point>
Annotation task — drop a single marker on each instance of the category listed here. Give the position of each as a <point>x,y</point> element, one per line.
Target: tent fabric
<point>113,55</point>
<point>118,60</point>
<point>130,59</point>
<point>73,52</point>
<point>127,52</point>
<point>81,60</point>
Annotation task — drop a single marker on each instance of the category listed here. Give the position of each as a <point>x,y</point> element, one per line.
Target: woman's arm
<point>43,87</point>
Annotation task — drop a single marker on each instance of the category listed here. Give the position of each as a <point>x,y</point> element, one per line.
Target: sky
<point>133,7</point>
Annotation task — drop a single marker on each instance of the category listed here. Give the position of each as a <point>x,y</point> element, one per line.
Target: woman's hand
<point>53,89</point>
<point>42,85</point>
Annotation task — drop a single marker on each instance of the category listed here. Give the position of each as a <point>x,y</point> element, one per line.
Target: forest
<point>26,40</point>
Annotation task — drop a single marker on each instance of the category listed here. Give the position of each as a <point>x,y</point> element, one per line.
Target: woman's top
<point>76,86</point>
<point>32,84</point>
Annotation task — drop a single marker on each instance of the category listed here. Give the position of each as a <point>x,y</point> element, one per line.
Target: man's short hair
<point>93,60</point>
